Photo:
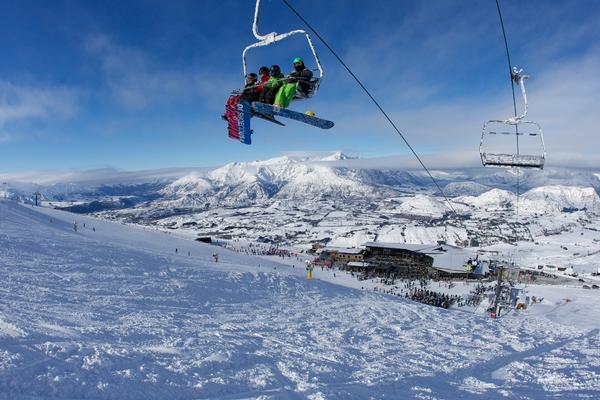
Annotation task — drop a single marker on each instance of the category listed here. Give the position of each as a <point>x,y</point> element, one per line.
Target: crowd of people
<point>481,289</point>
<point>254,249</point>
<point>424,296</point>
<point>419,290</point>
<point>433,298</point>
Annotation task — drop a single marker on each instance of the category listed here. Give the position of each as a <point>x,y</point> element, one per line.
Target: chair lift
<point>529,153</point>
<point>271,38</point>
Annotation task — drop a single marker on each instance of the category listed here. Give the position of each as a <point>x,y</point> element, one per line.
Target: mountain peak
<point>338,155</point>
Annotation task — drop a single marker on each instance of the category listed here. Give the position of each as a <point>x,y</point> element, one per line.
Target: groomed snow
<point>113,312</point>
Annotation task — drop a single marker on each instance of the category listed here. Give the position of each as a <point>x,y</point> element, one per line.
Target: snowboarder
<point>298,80</point>
<point>247,93</point>
<point>265,75</point>
<point>272,86</point>
<point>250,92</point>
<point>234,119</point>
<point>255,86</point>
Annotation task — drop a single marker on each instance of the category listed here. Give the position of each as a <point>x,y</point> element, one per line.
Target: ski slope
<point>114,312</point>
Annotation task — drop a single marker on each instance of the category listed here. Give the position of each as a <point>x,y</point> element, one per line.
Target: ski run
<point>112,311</point>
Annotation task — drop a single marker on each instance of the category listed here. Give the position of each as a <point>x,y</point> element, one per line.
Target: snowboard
<point>295,115</point>
<point>243,120</point>
<point>231,116</point>
<point>266,117</point>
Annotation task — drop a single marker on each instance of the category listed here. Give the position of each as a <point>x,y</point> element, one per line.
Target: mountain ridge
<point>302,199</point>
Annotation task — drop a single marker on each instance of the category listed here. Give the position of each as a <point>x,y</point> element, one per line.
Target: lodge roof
<point>345,250</point>
<point>447,258</point>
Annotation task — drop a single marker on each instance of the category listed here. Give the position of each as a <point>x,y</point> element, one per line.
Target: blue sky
<point>137,84</point>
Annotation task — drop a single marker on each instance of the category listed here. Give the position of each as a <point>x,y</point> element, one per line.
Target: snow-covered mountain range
<point>335,199</point>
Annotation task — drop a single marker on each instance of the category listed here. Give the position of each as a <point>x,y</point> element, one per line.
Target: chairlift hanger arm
<point>273,37</point>
<point>518,76</point>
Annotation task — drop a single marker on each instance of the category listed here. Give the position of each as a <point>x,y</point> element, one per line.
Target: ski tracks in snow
<point>119,315</point>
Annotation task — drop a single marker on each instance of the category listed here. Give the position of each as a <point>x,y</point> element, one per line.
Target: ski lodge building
<point>415,261</point>
<point>341,255</point>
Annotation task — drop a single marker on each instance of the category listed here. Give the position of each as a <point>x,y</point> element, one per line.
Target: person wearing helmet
<point>251,79</point>
<point>250,92</point>
<point>301,75</point>
<point>271,87</point>
<point>254,86</point>
<point>264,74</point>
<point>298,80</point>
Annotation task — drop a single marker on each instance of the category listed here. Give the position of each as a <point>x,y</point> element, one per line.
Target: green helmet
<point>298,60</point>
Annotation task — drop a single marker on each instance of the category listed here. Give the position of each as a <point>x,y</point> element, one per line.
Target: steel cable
<point>309,26</point>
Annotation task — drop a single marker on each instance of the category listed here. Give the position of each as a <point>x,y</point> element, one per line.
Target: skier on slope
<point>298,80</point>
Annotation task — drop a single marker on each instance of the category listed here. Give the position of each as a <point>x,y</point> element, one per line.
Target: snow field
<point>116,313</point>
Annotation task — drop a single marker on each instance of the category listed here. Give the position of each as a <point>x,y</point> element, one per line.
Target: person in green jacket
<point>298,80</point>
<point>272,86</point>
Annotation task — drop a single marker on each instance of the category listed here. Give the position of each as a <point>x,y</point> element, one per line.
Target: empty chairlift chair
<point>513,142</point>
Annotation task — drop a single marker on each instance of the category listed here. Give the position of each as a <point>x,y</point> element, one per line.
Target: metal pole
<point>498,292</point>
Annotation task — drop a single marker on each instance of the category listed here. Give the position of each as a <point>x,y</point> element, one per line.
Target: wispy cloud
<point>5,137</point>
<point>137,80</point>
<point>99,176</point>
<point>20,104</point>
<point>564,97</point>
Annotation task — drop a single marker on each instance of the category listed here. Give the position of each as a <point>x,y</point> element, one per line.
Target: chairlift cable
<point>512,85</point>
<point>510,67</point>
<point>309,26</point>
